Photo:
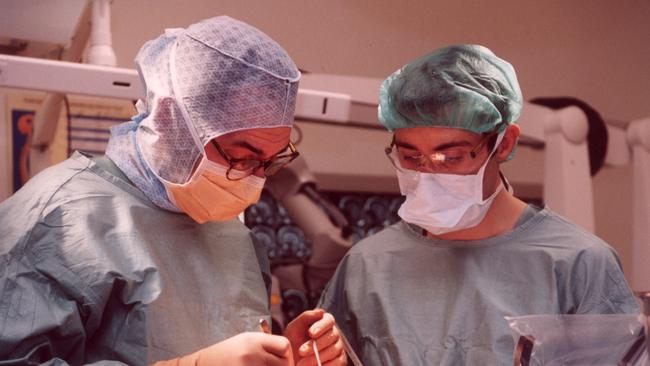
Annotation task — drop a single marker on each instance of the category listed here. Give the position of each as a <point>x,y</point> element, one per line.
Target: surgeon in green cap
<point>434,288</point>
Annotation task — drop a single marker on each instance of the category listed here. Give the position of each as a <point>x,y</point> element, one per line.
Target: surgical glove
<point>244,349</point>
<point>315,326</point>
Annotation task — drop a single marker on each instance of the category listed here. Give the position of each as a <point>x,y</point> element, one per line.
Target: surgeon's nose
<point>432,163</point>
<point>427,166</point>
<point>259,172</point>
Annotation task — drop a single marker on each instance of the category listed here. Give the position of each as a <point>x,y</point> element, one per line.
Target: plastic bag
<point>616,339</point>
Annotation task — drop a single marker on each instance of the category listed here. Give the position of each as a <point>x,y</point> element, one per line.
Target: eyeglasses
<point>455,160</point>
<point>242,168</point>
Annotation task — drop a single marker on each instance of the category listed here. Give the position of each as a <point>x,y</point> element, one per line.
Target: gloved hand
<point>315,326</point>
<point>244,349</point>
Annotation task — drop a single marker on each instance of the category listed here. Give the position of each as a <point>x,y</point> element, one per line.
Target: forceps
<point>348,349</point>
<point>346,346</point>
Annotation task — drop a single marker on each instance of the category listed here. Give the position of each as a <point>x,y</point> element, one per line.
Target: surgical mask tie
<point>210,196</point>
<point>442,203</point>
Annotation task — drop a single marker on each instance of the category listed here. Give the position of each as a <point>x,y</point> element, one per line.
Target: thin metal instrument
<point>315,348</point>
<point>348,349</point>
<point>264,326</point>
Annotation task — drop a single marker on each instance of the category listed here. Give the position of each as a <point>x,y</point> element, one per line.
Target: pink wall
<point>597,50</point>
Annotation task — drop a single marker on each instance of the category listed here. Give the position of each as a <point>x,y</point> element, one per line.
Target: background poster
<point>84,126</point>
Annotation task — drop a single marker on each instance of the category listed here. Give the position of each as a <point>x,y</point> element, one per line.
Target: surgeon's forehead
<point>272,135</point>
<point>263,141</point>
<point>434,137</point>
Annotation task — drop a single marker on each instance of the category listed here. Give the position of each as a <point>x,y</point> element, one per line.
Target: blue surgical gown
<point>91,270</point>
<point>405,299</point>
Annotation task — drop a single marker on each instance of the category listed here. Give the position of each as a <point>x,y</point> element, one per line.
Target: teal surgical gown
<point>405,299</point>
<point>91,270</point>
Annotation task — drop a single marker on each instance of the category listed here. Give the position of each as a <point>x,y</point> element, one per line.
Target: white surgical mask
<point>442,203</point>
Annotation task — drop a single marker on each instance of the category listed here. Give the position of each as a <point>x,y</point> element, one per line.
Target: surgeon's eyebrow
<point>257,151</point>
<point>444,146</point>
<point>247,145</point>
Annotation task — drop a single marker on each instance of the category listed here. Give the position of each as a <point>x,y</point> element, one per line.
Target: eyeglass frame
<point>473,153</point>
<point>265,164</point>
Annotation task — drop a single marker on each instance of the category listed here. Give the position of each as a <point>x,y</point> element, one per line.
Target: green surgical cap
<point>462,86</point>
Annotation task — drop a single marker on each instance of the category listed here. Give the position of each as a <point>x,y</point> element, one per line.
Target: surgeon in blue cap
<point>137,257</point>
<point>434,288</point>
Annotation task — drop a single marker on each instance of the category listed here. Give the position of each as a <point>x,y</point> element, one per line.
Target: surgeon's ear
<point>508,143</point>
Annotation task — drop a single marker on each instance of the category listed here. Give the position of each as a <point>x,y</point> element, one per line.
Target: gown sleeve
<point>53,303</point>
